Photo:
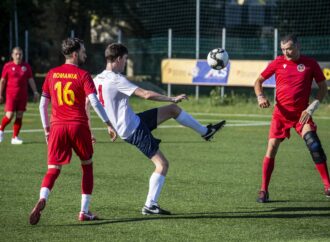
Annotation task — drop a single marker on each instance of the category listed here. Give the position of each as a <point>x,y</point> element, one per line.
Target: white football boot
<point>1,136</point>
<point>16,141</point>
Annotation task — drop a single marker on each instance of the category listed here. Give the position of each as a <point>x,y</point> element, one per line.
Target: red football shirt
<point>17,76</point>
<point>293,81</point>
<point>67,86</point>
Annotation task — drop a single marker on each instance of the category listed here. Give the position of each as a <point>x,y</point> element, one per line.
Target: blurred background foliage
<point>142,25</point>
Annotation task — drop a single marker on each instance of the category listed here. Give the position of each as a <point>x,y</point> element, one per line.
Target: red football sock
<point>50,178</point>
<point>17,127</point>
<point>87,181</point>
<point>5,121</point>
<point>267,169</point>
<point>323,170</point>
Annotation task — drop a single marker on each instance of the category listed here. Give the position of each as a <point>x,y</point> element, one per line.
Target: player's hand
<point>263,102</point>
<point>46,137</point>
<point>179,98</point>
<point>93,140</point>
<point>47,131</point>
<point>1,99</point>
<point>304,117</point>
<point>36,97</point>
<point>112,133</point>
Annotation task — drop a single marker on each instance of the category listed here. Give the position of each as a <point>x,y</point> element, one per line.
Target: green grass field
<point>211,187</point>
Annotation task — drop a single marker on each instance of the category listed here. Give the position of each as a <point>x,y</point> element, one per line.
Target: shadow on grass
<point>263,214</point>
<point>33,142</point>
<point>163,142</point>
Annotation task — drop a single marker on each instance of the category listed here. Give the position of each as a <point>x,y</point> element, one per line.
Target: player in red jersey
<point>294,76</point>
<point>67,87</point>
<point>15,77</point>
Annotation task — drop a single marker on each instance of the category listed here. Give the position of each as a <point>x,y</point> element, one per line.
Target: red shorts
<point>65,137</point>
<point>280,125</point>
<point>15,104</point>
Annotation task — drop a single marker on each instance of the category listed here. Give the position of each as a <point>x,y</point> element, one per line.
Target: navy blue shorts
<point>142,137</point>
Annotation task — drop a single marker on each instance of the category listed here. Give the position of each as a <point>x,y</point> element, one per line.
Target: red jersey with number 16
<point>293,81</point>
<point>67,86</point>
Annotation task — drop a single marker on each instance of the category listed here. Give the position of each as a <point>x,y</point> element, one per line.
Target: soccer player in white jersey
<point>114,91</point>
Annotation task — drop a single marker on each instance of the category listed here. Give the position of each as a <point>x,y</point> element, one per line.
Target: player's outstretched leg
<point>212,129</point>
<point>36,211</point>
<point>207,132</point>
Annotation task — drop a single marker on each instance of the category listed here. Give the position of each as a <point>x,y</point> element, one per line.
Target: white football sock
<point>187,120</point>
<point>85,200</point>
<point>156,183</point>
<point>44,193</point>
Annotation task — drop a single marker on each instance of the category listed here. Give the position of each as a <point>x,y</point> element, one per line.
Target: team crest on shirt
<point>23,68</point>
<point>284,66</point>
<point>301,67</point>
<point>13,68</point>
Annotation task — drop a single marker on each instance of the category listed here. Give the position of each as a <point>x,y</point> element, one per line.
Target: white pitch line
<point>247,115</point>
<point>160,127</point>
<point>214,115</point>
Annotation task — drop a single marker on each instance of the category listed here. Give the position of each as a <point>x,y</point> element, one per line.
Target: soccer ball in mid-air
<point>217,58</point>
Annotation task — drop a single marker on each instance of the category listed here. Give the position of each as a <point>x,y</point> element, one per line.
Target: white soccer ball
<point>217,59</point>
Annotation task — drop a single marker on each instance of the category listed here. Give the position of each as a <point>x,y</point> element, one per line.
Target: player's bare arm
<point>308,112</point>
<point>151,95</point>
<point>262,100</point>
<point>34,89</point>
<point>2,89</point>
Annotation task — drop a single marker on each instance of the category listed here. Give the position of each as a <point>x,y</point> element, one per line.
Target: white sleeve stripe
<point>43,109</point>
<point>97,106</point>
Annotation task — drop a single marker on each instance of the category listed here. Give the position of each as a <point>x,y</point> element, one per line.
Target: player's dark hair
<point>115,50</point>
<point>71,45</point>
<point>289,37</point>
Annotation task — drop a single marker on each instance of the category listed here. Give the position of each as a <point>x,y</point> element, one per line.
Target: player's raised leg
<point>87,184</point>
<point>185,119</point>
<point>156,183</point>
<point>46,186</point>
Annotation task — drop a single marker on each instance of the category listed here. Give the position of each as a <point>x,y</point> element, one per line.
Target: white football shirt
<point>113,91</point>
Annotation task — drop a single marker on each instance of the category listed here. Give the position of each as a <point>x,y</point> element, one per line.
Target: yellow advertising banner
<point>237,72</point>
<point>178,71</point>
<point>245,72</point>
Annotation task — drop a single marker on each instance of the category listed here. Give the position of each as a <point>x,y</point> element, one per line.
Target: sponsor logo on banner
<point>206,75</point>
